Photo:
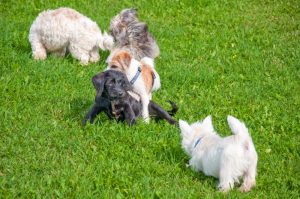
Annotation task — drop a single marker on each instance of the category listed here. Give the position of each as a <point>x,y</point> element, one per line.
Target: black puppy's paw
<point>83,122</point>
<point>131,122</point>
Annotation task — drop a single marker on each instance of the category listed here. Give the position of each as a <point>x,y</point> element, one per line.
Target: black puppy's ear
<point>99,82</point>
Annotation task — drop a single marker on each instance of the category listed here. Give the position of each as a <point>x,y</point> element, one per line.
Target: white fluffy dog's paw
<point>39,55</point>
<point>84,62</point>
<point>94,59</point>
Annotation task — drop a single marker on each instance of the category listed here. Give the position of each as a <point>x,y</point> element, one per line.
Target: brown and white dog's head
<point>120,60</point>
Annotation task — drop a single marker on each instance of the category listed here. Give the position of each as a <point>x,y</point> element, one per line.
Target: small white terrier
<point>65,29</point>
<point>228,159</point>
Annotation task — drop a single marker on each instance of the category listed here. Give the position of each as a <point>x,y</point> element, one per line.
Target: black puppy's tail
<point>159,113</point>
<point>174,109</point>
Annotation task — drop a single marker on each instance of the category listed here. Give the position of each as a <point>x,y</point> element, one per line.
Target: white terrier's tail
<point>107,42</point>
<point>238,128</point>
<point>241,133</point>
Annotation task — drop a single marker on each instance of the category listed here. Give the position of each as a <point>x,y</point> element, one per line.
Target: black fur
<point>112,97</point>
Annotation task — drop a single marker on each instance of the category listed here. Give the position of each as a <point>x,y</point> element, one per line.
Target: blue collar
<point>136,75</point>
<point>197,142</point>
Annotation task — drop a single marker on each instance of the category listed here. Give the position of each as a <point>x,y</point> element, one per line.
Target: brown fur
<point>121,60</point>
<point>147,76</point>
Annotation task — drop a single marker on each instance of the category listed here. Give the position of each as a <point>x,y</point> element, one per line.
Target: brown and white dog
<point>141,75</point>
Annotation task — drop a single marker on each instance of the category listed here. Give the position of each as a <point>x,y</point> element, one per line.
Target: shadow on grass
<point>174,155</point>
<point>78,109</point>
<point>102,61</point>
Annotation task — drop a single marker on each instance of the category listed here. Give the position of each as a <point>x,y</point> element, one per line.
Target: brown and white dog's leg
<point>150,96</point>
<point>145,103</point>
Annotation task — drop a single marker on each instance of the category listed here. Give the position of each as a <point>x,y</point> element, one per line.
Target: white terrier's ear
<point>232,120</point>
<point>235,125</point>
<point>184,126</point>
<point>207,122</point>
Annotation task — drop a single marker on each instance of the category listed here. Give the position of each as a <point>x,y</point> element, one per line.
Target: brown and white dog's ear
<point>121,60</point>
<point>99,82</point>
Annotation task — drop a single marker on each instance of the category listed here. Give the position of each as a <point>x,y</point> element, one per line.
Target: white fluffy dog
<point>228,159</point>
<point>141,75</point>
<point>65,29</point>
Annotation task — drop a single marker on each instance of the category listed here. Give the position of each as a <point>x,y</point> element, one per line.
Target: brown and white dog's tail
<point>156,79</point>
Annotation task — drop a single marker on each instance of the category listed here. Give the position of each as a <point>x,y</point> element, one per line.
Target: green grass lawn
<point>217,57</point>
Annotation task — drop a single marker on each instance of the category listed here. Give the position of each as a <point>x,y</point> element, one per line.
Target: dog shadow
<point>70,59</point>
<point>77,109</point>
<point>174,155</point>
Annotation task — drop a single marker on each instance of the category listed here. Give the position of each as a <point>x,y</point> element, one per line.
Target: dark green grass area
<point>217,57</point>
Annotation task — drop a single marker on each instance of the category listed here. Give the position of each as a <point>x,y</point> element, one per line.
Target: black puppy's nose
<point>120,94</point>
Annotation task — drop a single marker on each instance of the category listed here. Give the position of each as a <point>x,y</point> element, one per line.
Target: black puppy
<point>113,98</point>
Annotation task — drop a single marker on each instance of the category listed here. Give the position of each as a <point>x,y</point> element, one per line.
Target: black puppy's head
<point>111,84</point>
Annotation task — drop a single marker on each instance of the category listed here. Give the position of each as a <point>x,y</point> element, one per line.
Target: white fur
<point>149,61</point>
<point>63,29</point>
<point>140,88</point>
<point>229,159</point>
<point>108,42</point>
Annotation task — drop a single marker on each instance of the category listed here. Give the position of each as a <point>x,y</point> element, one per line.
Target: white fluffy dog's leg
<point>94,55</point>
<point>145,103</point>
<point>38,50</point>
<point>80,54</point>
<point>60,53</point>
<point>249,179</point>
